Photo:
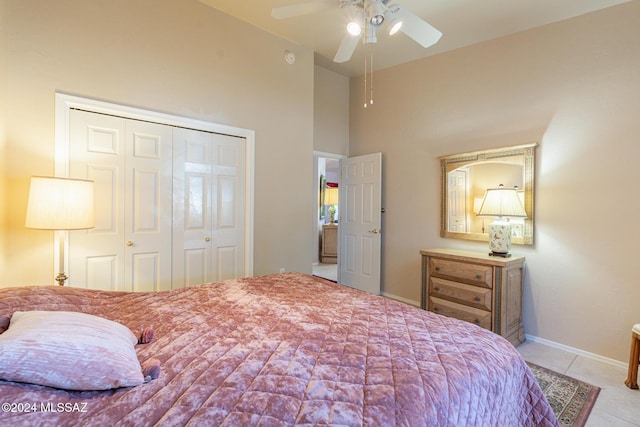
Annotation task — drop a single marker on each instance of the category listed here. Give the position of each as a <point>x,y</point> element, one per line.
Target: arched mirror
<point>466,177</point>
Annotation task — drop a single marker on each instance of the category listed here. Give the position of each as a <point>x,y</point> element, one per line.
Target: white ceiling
<point>462,22</point>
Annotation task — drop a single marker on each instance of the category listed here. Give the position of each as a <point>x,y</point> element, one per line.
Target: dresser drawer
<point>479,317</point>
<point>475,274</point>
<point>475,296</point>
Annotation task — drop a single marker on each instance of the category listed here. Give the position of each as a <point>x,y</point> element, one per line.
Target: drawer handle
<point>437,268</point>
<point>436,288</point>
<point>476,299</point>
<point>435,308</point>
<point>478,276</point>
<point>477,321</point>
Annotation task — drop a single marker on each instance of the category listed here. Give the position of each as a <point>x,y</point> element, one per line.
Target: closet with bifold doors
<point>169,204</point>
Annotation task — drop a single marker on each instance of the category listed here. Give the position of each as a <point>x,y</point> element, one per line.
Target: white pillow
<point>68,350</point>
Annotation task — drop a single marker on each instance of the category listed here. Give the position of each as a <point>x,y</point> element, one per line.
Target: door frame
<point>65,102</point>
<point>316,197</point>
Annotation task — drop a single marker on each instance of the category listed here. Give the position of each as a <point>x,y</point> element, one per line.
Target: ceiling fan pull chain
<point>365,81</point>
<point>371,83</point>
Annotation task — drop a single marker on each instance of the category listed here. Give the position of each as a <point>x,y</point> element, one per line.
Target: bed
<point>281,350</point>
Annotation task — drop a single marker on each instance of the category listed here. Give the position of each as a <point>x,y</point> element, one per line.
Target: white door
<point>96,147</point>
<point>148,206</point>
<point>360,222</point>
<point>209,195</point>
<point>457,188</point>
<point>131,165</point>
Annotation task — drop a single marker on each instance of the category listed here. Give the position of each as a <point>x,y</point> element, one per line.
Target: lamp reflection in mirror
<point>60,204</point>
<point>331,200</point>
<point>501,203</point>
<point>477,202</point>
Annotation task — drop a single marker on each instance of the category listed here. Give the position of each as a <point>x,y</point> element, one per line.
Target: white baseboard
<point>404,300</point>
<point>533,338</point>
<point>576,351</point>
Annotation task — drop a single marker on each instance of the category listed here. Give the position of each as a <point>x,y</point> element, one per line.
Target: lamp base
<point>500,254</point>
<point>61,278</point>
<point>500,237</point>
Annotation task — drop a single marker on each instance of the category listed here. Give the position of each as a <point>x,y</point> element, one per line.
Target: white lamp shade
<point>60,204</point>
<point>502,202</point>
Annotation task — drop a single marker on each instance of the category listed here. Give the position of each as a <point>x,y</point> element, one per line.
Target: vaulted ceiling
<point>462,22</point>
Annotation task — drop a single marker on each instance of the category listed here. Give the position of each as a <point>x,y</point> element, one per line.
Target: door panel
<point>131,166</point>
<point>145,271</point>
<point>209,189</point>
<point>101,273</point>
<point>106,192</point>
<point>359,229</point>
<point>149,198</point>
<point>96,152</point>
<point>228,194</point>
<point>192,153</point>
<point>226,262</point>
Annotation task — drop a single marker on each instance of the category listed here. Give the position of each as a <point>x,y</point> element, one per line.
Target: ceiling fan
<point>366,17</point>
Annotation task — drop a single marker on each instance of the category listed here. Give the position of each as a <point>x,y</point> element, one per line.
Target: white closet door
<point>131,165</point>
<point>96,147</point>
<point>148,206</point>
<point>209,223</point>
<point>228,196</point>
<point>192,153</point>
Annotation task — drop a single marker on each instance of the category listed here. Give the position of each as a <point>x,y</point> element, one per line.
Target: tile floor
<point>616,406</point>
<point>328,271</point>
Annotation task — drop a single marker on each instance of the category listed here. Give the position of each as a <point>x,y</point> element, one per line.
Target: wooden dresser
<point>475,287</point>
<point>329,254</point>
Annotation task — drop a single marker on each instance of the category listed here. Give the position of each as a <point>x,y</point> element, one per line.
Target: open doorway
<point>326,215</point>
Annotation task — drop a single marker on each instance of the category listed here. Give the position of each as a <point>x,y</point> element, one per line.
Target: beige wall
<point>331,112</point>
<point>330,135</point>
<point>182,58</point>
<point>572,86</point>
<point>3,121</point>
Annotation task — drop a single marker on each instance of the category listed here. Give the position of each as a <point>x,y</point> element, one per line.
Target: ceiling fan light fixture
<point>395,25</point>
<point>377,20</point>
<point>354,28</point>
<point>394,19</point>
<point>375,12</point>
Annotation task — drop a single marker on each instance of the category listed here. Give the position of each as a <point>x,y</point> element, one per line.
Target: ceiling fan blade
<point>419,30</point>
<point>346,49</point>
<point>300,9</point>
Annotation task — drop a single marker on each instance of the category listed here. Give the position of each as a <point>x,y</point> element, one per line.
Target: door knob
<point>374,231</point>
<point>129,243</point>
<point>207,239</point>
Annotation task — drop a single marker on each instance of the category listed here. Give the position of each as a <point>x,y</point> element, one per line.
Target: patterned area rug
<point>571,400</point>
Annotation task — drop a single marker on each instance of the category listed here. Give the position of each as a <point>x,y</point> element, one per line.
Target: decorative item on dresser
<point>502,204</point>
<point>331,200</point>
<point>475,287</point>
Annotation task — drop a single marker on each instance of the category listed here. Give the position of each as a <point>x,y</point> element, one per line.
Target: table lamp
<point>331,199</point>
<point>60,204</point>
<point>501,203</point>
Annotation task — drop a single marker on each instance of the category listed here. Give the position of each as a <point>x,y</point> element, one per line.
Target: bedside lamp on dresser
<point>475,287</point>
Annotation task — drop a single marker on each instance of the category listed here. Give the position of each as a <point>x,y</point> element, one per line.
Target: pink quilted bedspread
<point>285,350</point>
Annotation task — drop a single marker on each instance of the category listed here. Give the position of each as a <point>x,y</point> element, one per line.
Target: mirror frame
<point>455,161</point>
